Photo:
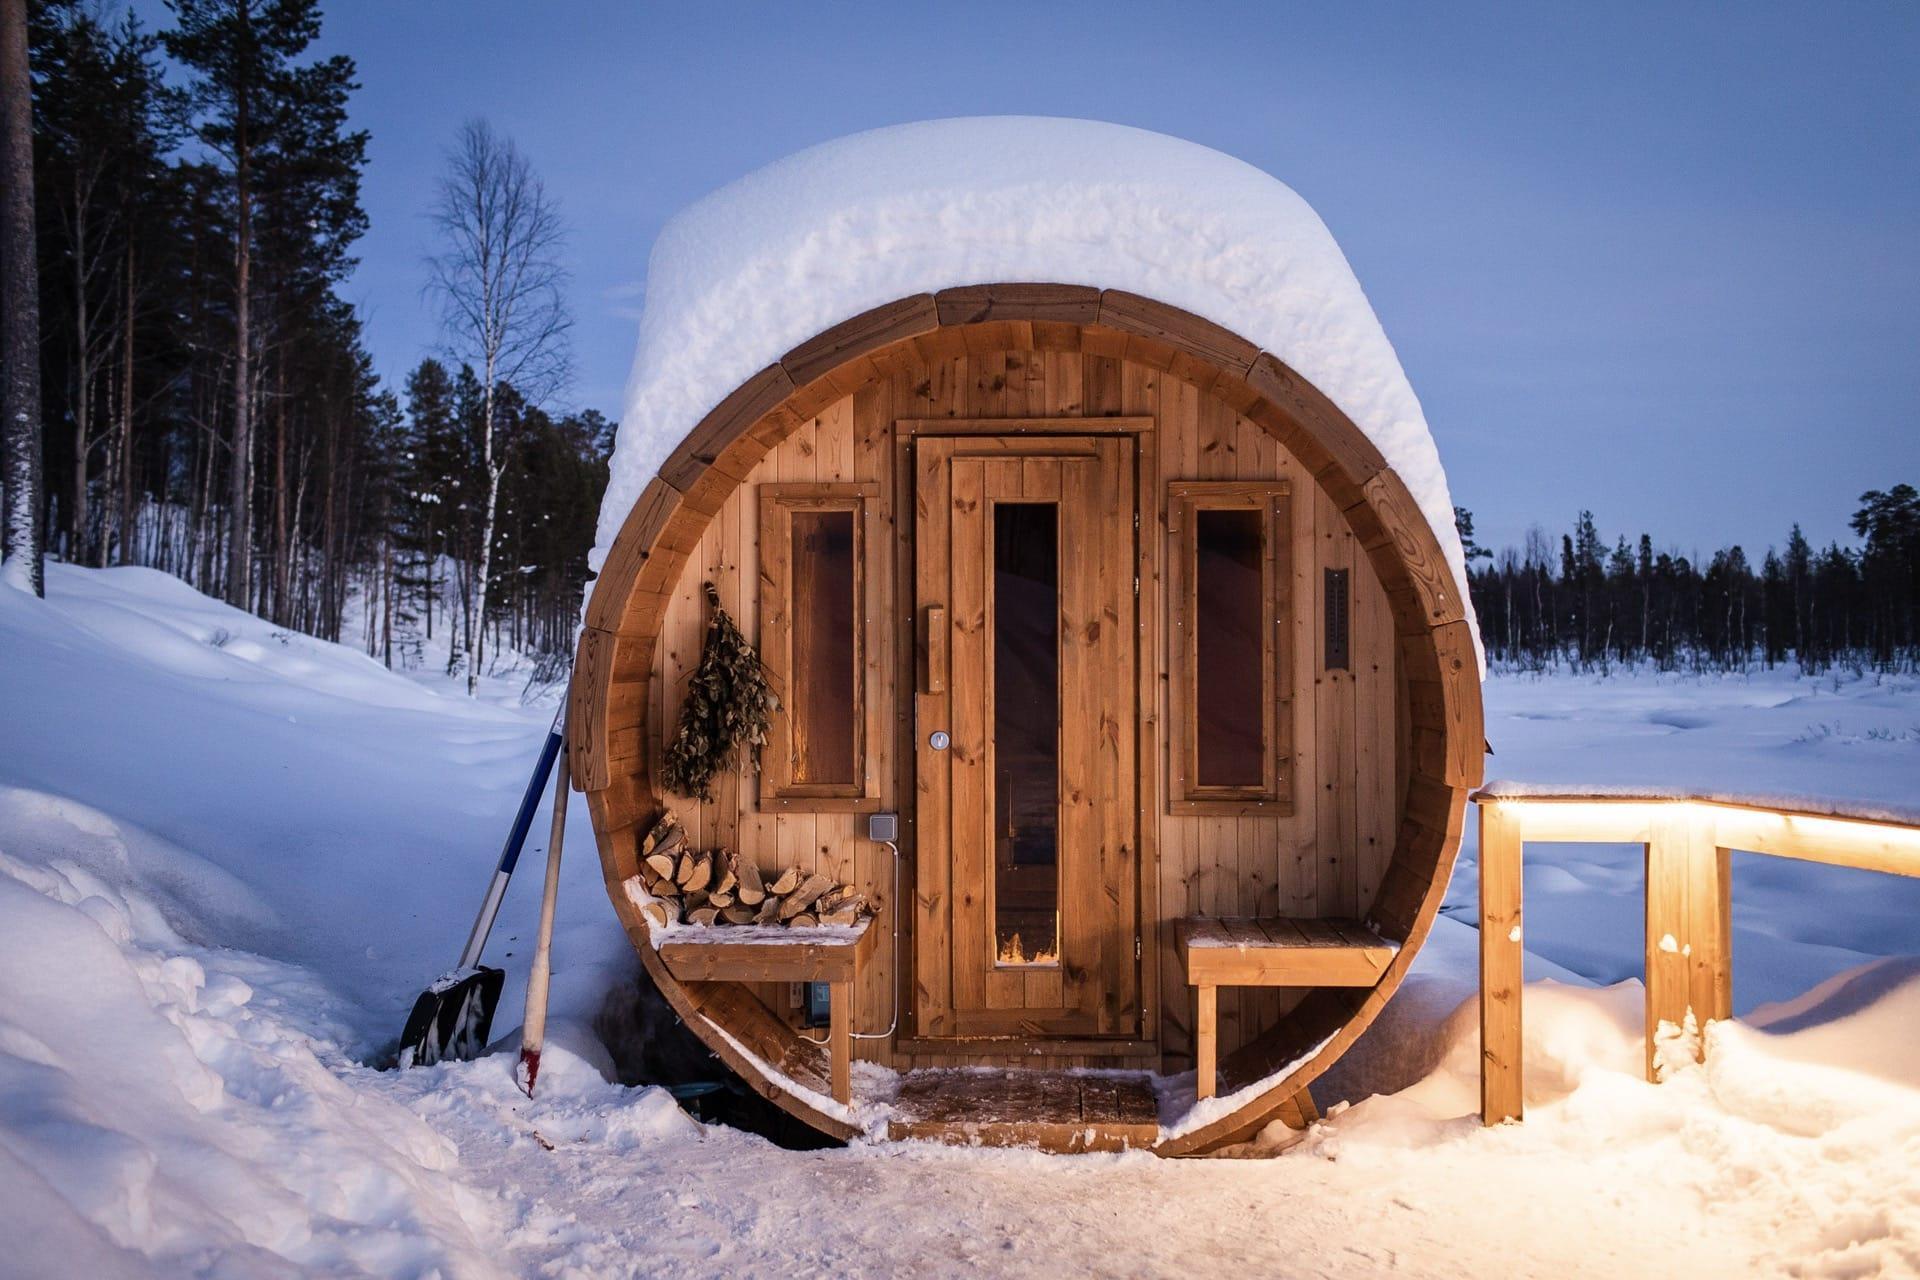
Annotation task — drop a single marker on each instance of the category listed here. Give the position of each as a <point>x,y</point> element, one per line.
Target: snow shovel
<point>533,1031</point>
<point>453,1018</point>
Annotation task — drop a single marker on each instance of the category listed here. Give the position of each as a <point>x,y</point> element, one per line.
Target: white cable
<point>894,909</point>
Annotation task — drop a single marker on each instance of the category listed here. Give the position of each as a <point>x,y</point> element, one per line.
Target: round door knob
<point>939,740</point>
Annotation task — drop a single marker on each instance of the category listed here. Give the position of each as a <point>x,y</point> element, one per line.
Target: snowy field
<point>229,857</point>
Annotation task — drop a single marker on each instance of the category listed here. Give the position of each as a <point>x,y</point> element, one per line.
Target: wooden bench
<point>1271,951</point>
<point>775,953</point>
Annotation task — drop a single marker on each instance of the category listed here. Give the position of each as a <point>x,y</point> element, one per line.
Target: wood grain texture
<point>870,330</point>
<point>1181,330</point>
<point>590,706</point>
<point>1277,951</point>
<point>1061,304</point>
<point>1044,1110</point>
<point>729,419</point>
<point>1307,409</point>
<point>637,539</point>
<point>1416,557</point>
<point>1502,1092</point>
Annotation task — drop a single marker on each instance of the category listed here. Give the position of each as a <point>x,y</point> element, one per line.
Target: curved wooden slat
<point>1181,330</point>
<point>1070,304</point>
<point>868,331</point>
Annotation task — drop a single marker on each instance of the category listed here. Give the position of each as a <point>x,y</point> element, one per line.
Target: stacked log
<point>715,887</point>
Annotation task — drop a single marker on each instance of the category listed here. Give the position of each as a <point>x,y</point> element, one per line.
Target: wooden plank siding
<point>1329,857</point>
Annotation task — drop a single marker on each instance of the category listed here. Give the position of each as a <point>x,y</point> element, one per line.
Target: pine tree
<point>97,98</point>
<point>1463,525</point>
<point>259,113</point>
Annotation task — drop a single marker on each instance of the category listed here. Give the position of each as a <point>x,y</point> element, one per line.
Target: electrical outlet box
<point>883,828</point>
<point>818,1013</point>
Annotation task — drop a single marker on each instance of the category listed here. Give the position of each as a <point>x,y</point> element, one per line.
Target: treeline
<point>208,403</point>
<point>1592,605</point>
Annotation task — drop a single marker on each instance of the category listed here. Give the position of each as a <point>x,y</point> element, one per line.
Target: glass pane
<point>1026,732</point>
<point>1229,626</point>
<point>823,615</point>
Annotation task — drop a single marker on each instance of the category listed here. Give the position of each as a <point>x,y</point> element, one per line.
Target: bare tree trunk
<point>125,553</point>
<point>386,603</point>
<point>281,550</point>
<point>83,380</point>
<point>240,493</point>
<point>500,284</point>
<point>478,648</point>
<point>20,439</point>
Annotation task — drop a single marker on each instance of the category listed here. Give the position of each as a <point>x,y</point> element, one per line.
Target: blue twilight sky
<point>1662,261</point>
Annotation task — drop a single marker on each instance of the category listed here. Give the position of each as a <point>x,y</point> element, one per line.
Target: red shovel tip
<point>529,1068</point>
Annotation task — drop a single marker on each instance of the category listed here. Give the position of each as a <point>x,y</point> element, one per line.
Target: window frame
<point>778,792</point>
<point>1185,793</point>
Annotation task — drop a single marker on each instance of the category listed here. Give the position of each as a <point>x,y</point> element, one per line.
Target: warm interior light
<point>1014,952</point>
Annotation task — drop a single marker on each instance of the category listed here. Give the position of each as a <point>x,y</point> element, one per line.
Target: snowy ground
<point>229,857</point>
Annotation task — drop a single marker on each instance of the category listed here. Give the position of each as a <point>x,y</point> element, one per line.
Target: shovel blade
<point>453,1019</point>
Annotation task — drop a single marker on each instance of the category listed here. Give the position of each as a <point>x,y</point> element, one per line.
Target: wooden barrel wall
<point>1121,348</point>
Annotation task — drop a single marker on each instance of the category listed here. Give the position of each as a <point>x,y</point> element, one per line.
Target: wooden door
<point>1025,737</point>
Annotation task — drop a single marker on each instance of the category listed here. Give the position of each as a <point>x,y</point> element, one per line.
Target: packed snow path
<point>229,857</point>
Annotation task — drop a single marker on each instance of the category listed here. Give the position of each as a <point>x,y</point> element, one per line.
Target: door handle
<point>933,647</point>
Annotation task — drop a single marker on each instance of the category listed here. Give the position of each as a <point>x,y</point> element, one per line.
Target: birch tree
<point>500,285</point>
<point>19,309</point>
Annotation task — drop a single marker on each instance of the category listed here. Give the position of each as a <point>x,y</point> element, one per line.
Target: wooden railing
<point>1689,930</point>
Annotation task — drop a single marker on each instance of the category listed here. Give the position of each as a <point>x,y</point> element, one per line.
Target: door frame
<point>1149,614</point>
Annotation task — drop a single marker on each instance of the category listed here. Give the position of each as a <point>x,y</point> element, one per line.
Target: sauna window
<point>1026,733</point>
<point>814,638</point>
<point>1229,574</point>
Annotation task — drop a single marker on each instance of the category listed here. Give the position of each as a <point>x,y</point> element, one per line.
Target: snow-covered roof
<point>749,272</point>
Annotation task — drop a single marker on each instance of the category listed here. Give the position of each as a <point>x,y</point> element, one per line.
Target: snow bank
<point>155,1102</point>
<point>342,817</point>
<point>752,270</point>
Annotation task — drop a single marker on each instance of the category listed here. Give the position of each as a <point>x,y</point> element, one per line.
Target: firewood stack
<point>721,887</point>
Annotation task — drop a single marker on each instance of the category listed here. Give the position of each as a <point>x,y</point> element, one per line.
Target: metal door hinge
<point>1136,946</point>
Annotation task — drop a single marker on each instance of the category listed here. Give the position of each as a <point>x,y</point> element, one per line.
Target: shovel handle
<point>533,1031</point>
<point>516,839</point>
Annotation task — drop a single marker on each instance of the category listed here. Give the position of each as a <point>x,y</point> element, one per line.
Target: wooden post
<point>840,1036</point>
<point>1502,1090</point>
<point>1689,924</point>
<point>1666,926</point>
<point>1710,894</point>
<point>1205,1040</point>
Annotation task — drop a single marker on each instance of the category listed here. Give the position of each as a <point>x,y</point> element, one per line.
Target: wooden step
<point>1054,1111</point>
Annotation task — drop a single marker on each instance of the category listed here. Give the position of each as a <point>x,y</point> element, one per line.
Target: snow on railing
<point>1689,838</point>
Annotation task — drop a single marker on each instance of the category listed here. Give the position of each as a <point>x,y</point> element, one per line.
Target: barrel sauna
<point>1120,573</point>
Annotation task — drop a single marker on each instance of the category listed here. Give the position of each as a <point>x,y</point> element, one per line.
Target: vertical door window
<point>1026,732</point>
